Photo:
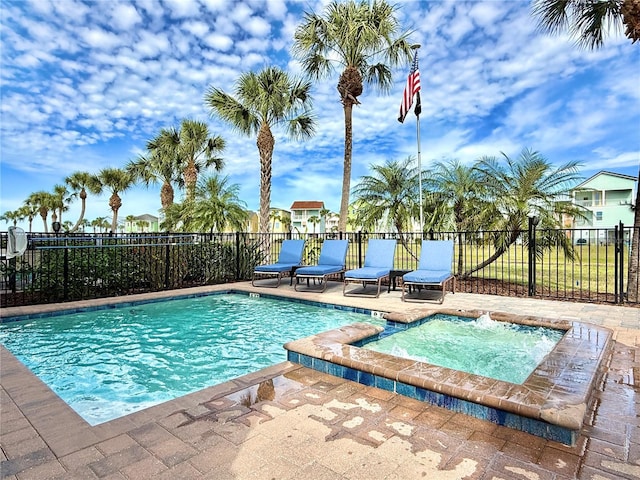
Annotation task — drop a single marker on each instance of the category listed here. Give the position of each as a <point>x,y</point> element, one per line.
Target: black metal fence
<point>60,268</point>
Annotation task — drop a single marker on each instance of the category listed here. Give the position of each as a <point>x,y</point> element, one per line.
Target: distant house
<point>279,220</point>
<point>607,198</point>
<point>302,211</point>
<point>142,224</point>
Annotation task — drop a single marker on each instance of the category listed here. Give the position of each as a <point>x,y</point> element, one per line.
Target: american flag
<point>410,90</point>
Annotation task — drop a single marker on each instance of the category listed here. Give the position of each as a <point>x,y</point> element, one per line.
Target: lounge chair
<point>434,269</point>
<point>333,255</point>
<point>290,257</point>
<point>378,262</point>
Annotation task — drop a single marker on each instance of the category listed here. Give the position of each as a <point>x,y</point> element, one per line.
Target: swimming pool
<point>500,350</point>
<point>111,362</point>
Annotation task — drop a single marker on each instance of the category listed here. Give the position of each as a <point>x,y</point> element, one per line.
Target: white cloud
<point>124,16</point>
<point>218,42</point>
<point>99,38</point>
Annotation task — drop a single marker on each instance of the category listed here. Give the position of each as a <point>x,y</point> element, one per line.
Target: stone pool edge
<point>551,403</point>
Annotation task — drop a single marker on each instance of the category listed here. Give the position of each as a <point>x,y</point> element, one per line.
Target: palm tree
<point>117,181</point>
<point>275,216</point>
<point>131,220</point>
<point>523,187</point>
<point>80,182</point>
<point>589,20</point>
<point>60,198</point>
<point>262,101</point>
<point>29,211</point>
<point>387,198</point>
<point>99,222</point>
<point>633,285</point>
<point>218,206</point>
<point>43,201</point>
<point>314,220</point>
<point>455,200</point>
<point>160,166</point>
<point>362,38</point>
<point>11,216</point>
<point>196,150</point>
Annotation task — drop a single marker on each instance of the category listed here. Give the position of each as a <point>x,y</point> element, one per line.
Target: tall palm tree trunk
<point>633,287</point>
<point>265,143</point>
<point>83,203</point>
<point>346,173</point>
<point>115,203</point>
<point>43,214</point>
<point>190,180</point>
<point>166,195</point>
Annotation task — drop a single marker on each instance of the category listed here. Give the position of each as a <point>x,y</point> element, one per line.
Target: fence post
<point>238,255</point>
<point>533,221</point>
<point>359,238</point>
<point>167,259</point>
<point>620,262</point>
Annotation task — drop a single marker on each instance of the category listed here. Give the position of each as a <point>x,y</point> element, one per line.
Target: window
<point>599,216</point>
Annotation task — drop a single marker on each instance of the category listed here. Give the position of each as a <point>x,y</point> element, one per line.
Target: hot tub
<point>551,402</point>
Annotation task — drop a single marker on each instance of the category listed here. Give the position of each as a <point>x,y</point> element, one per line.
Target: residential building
<point>280,220</point>
<point>142,224</point>
<point>608,199</point>
<point>332,220</point>
<point>302,212</point>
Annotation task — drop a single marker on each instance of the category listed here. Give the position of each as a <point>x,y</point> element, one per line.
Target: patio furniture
<point>434,270</point>
<point>333,255</point>
<point>290,257</point>
<point>378,263</point>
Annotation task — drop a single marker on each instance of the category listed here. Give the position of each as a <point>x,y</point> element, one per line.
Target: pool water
<point>109,363</point>
<point>504,351</point>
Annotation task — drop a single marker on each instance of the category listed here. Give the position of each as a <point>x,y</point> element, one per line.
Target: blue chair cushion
<point>367,273</point>
<point>426,276</point>
<point>275,267</point>
<point>319,270</point>
<point>291,252</point>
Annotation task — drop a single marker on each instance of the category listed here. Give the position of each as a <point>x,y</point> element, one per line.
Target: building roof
<point>146,217</point>
<point>307,205</point>
<point>605,172</point>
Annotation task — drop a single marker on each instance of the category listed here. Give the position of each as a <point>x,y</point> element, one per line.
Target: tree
<point>218,206</point>
<point>362,38</point>
<point>314,220</point>
<point>633,285</point>
<point>262,101</point>
<point>387,198</point>
<point>589,20</point>
<point>80,182</point>
<point>60,198</point>
<point>43,201</point>
<point>116,181</point>
<point>275,216</point>
<point>523,187</point>
<point>161,165</point>
<point>100,223</point>
<point>11,216</point>
<point>29,211</point>
<point>455,200</point>
<point>196,151</point>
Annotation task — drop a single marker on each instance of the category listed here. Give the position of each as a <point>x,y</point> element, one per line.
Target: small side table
<point>393,276</point>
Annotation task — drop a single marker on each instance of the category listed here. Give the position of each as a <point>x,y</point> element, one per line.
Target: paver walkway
<point>289,422</point>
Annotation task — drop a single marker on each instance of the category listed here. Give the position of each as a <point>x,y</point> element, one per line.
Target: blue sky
<point>86,84</point>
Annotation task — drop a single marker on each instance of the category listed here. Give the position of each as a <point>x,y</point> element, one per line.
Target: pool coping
<point>551,402</point>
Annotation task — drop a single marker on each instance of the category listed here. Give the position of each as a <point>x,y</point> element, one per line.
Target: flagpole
<point>419,174</point>
<point>416,47</point>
